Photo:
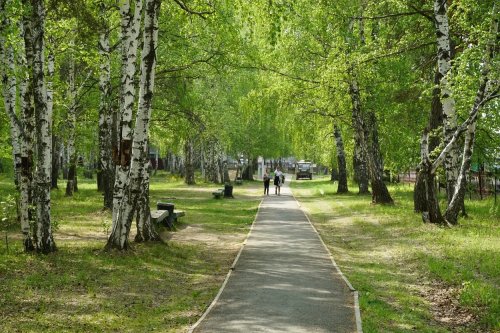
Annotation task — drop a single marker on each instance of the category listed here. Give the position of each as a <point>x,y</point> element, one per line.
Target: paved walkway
<point>284,280</point>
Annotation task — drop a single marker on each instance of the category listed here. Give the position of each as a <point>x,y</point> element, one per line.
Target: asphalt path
<point>284,279</point>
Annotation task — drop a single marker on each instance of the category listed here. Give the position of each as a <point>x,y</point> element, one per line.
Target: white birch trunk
<point>44,241</point>
<point>448,101</point>
<point>135,185</point>
<point>145,229</point>
<point>130,26</point>
<point>7,72</point>
<point>456,201</point>
<point>28,138</point>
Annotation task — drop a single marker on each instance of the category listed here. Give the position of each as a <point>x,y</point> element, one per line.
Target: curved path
<point>284,279</point>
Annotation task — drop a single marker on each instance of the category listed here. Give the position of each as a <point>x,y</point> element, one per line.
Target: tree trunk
<point>28,138</point>
<point>211,163</point>
<point>71,126</point>
<point>225,168</point>
<point>482,95</point>
<point>341,161</point>
<point>9,85</point>
<point>130,26</point>
<point>435,121</point>
<point>446,94</point>
<point>137,182</point>
<point>8,77</point>
<point>419,193</point>
<point>359,158</point>
<point>432,212</point>
<point>43,237</point>
<point>55,161</point>
<point>105,166</point>
<point>380,193</point>
<point>188,154</point>
<point>146,231</point>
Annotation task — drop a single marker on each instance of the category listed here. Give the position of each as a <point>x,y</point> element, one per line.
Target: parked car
<point>304,170</point>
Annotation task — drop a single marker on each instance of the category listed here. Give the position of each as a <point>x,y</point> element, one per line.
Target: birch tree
<point>105,166</point>
<point>71,128</point>
<point>44,241</point>
<point>28,137</point>
<point>487,88</point>
<point>341,161</point>
<point>446,92</point>
<point>139,155</point>
<point>130,27</point>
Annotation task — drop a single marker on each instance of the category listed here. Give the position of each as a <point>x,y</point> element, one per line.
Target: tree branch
<point>193,12</point>
<point>424,13</point>
<point>290,76</point>
<point>391,15</point>
<point>187,66</point>
<point>411,48</point>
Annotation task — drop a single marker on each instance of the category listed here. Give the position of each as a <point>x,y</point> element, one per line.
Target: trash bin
<point>228,191</point>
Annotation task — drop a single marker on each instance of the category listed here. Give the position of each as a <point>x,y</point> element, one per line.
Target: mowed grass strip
<point>411,276</point>
<point>160,287</point>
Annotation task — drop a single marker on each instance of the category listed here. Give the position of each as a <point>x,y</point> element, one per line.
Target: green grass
<point>401,266</point>
<point>155,287</point>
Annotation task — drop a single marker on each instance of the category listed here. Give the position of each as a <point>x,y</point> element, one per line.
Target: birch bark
<point>28,138</point>
<point>145,228</point>
<point>9,85</point>
<point>136,182</point>
<point>448,101</point>
<point>435,121</point>
<point>130,26</point>
<point>44,241</point>
<point>482,95</point>
<point>341,161</point>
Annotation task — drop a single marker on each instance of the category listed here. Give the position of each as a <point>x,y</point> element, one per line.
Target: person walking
<point>277,180</point>
<point>267,180</point>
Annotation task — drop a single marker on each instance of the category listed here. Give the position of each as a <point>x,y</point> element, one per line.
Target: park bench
<point>238,181</point>
<point>166,214</point>
<point>218,194</point>
<point>158,216</point>
<point>178,213</point>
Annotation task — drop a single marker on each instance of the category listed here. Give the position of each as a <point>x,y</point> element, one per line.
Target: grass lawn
<point>156,287</point>
<point>411,277</point>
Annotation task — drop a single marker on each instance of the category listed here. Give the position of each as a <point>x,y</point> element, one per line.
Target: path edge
<point>233,265</point>
<point>357,312</point>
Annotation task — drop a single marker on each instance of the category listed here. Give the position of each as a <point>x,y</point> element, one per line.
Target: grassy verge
<point>156,287</point>
<point>411,276</point>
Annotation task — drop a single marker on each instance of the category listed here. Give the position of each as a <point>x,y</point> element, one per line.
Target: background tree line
<point>361,85</point>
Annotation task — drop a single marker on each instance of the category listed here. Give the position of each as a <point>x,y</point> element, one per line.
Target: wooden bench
<point>177,214</point>
<point>158,216</point>
<point>238,181</point>
<point>218,194</point>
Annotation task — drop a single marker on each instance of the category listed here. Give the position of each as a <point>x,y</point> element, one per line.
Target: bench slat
<point>179,213</point>
<point>159,215</point>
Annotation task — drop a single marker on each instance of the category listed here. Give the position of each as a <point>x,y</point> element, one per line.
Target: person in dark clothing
<point>277,180</point>
<point>267,180</point>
